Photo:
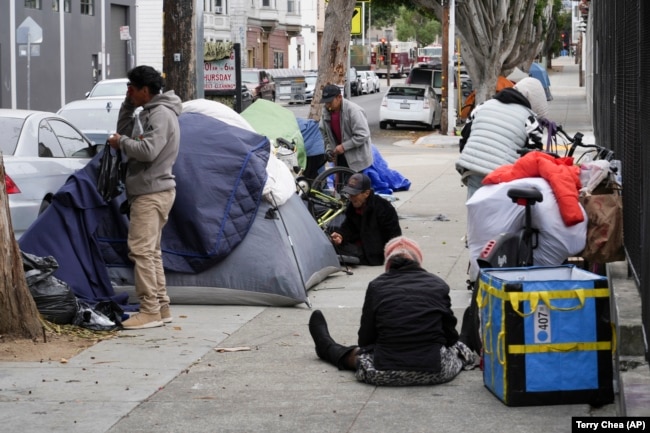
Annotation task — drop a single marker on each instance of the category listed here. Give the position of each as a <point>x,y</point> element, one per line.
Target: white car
<point>40,151</point>
<point>364,83</point>
<point>373,78</point>
<point>115,87</point>
<point>410,104</point>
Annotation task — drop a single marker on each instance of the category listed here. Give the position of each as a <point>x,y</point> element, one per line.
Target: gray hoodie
<point>150,141</point>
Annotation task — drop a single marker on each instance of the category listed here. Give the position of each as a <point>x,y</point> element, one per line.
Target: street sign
<point>29,32</point>
<point>356,22</point>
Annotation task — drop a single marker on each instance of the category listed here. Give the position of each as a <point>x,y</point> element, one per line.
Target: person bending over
<point>370,221</point>
<point>408,331</point>
<point>345,130</point>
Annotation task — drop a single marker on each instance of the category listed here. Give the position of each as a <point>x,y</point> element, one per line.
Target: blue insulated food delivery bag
<point>547,335</point>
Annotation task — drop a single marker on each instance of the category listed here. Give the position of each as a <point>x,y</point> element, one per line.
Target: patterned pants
<point>452,360</point>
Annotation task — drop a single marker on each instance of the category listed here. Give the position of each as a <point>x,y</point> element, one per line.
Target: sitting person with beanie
<point>370,221</point>
<point>408,331</point>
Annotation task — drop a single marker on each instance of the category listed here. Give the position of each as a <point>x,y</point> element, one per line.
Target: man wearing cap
<point>370,222</point>
<point>407,334</point>
<point>345,130</point>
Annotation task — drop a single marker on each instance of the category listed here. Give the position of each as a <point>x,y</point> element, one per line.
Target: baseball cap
<point>357,184</point>
<point>330,92</point>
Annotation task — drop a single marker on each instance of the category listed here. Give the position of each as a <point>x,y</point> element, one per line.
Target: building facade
<point>72,44</point>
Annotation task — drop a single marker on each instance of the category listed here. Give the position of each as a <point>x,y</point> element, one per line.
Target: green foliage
<point>420,26</point>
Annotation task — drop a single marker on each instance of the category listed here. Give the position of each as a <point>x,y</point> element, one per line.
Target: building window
<point>87,7</point>
<point>278,59</point>
<point>66,5</point>
<point>33,4</point>
<point>219,7</point>
<point>266,3</point>
<point>292,6</point>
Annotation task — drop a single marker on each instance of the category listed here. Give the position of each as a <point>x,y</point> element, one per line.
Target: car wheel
<point>382,125</point>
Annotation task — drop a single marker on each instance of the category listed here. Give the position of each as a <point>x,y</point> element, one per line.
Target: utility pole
<point>444,120</point>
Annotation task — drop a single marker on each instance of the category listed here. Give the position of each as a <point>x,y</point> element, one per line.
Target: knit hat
<point>401,246</point>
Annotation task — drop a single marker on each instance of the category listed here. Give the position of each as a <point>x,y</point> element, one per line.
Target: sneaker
<point>142,321</point>
<point>166,314</point>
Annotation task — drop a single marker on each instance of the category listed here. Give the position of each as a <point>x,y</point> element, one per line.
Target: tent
<point>211,244</point>
<point>538,71</point>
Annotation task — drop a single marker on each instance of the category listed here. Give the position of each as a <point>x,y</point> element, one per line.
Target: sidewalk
<point>172,379</point>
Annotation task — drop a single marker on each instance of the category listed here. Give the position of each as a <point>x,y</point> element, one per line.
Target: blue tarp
<point>539,72</point>
<point>384,179</point>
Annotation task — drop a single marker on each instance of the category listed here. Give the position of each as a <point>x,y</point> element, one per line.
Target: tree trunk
<point>179,40</point>
<point>333,62</point>
<point>19,316</point>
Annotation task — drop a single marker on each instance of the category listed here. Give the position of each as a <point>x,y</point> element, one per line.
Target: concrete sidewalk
<point>172,379</point>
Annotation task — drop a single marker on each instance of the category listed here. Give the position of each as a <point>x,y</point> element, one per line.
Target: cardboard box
<point>547,335</point>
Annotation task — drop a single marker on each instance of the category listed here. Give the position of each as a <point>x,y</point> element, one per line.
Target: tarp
<point>211,244</point>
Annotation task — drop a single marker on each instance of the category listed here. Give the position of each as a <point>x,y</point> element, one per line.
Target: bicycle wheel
<point>332,180</point>
<point>326,202</point>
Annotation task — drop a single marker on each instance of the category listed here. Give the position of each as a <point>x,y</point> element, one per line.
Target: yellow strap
<point>520,349</point>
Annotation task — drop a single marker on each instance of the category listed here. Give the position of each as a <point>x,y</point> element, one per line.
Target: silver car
<point>114,87</point>
<point>40,151</point>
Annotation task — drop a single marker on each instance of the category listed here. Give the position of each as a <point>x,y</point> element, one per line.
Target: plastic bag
<point>94,318</point>
<point>112,171</point>
<point>54,299</point>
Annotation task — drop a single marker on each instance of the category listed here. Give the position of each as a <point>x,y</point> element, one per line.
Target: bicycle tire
<point>332,180</point>
<point>329,183</point>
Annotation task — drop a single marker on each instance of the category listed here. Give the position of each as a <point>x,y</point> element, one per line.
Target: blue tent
<point>538,71</point>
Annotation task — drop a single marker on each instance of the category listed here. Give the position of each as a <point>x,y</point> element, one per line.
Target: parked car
<point>40,150</point>
<point>365,86</point>
<point>410,104</point>
<point>95,117</point>
<point>353,79</point>
<point>374,80</point>
<point>115,87</point>
<point>310,81</point>
<point>259,83</point>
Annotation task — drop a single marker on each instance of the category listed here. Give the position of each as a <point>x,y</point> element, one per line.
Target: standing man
<point>345,130</point>
<point>150,141</point>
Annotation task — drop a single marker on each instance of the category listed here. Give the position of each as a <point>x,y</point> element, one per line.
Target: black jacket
<point>406,317</point>
<point>372,230</point>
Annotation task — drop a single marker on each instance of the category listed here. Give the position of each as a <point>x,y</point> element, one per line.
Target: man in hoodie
<point>150,142</point>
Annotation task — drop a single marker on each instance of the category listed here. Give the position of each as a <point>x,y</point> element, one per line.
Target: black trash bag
<point>92,318</point>
<point>112,171</point>
<point>54,298</point>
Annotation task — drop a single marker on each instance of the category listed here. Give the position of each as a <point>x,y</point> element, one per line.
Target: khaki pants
<point>149,215</point>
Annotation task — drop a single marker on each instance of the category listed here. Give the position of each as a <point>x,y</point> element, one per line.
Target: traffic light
<point>382,60</point>
<point>383,48</point>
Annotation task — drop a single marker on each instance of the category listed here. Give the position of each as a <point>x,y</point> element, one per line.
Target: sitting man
<point>370,222</point>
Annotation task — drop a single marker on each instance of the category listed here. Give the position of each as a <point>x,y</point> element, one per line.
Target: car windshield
<point>311,79</point>
<point>250,77</point>
<point>10,131</point>
<point>110,88</point>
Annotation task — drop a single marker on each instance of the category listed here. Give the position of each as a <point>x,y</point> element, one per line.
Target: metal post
<point>29,61</point>
<point>444,118</point>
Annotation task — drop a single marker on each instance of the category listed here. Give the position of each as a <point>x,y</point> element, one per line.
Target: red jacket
<point>560,173</point>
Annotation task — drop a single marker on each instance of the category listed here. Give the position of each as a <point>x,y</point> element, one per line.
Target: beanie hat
<point>401,246</point>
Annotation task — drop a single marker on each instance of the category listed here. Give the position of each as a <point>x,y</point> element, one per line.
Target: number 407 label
<point>542,320</point>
